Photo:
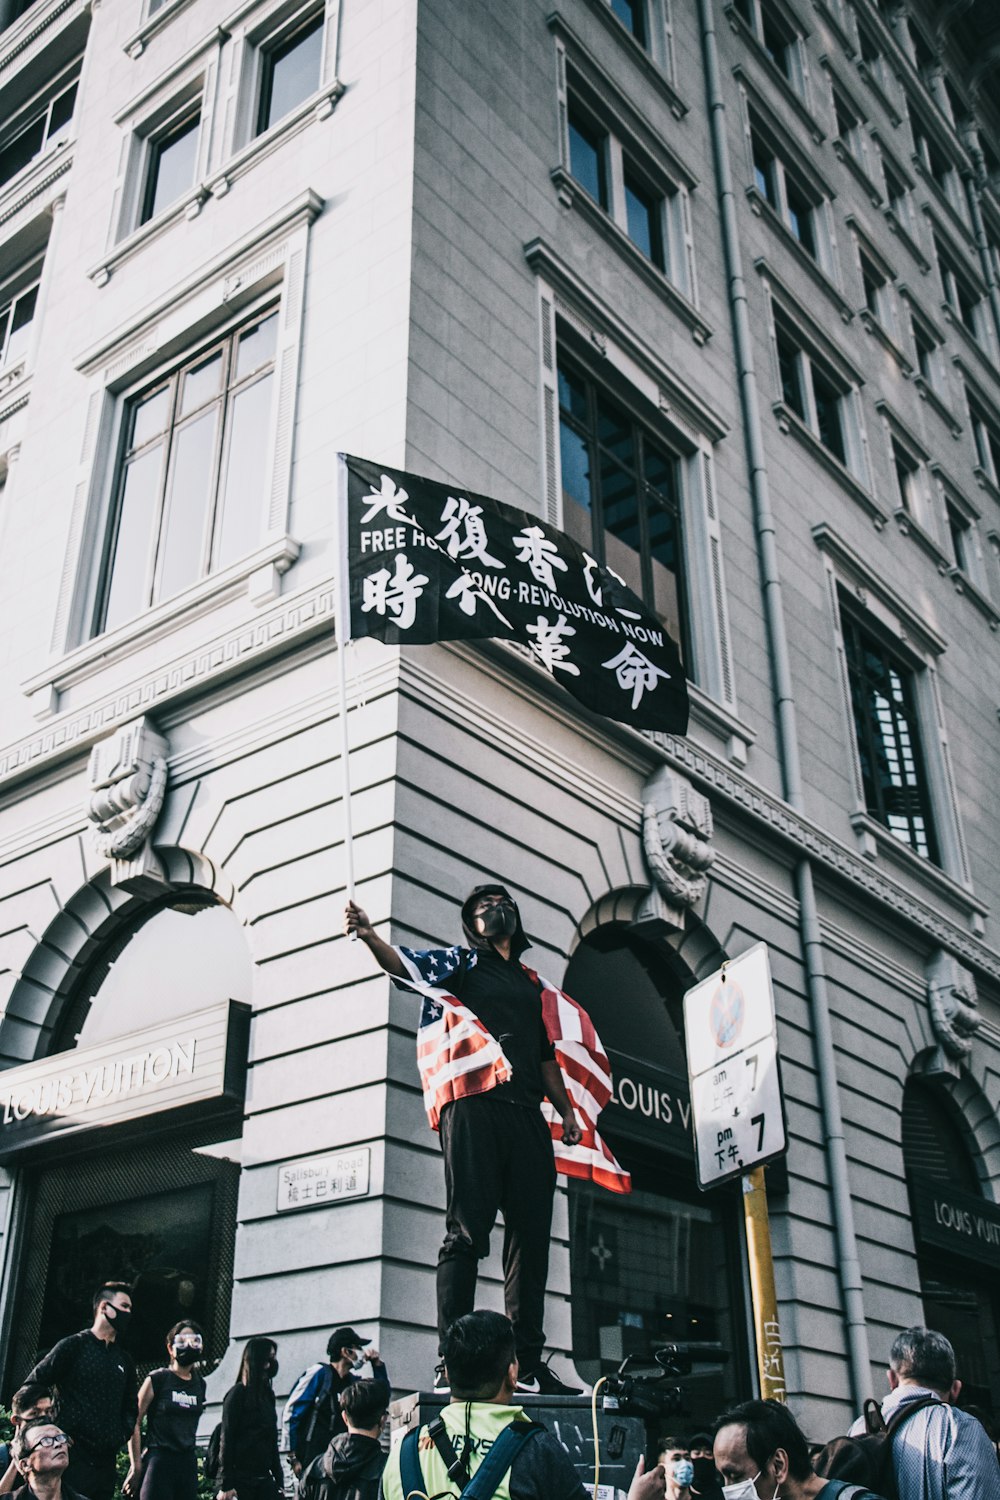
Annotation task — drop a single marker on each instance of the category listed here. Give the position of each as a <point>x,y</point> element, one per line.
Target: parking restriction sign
<point>732,1051</point>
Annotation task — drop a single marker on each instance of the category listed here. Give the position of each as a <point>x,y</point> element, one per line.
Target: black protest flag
<point>430,562</point>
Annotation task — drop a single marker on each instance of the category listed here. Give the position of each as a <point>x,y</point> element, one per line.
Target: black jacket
<point>96,1389</point>
<point>350,1469</point>
<point>248,1445</point>
<point>26,1493</point>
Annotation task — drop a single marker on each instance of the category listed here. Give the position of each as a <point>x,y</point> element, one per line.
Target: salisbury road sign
<point>732,1053</point>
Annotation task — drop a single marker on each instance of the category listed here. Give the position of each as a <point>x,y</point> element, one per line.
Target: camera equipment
<point>644,1388</point>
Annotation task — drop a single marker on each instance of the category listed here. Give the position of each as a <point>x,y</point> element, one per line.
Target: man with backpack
<point>312,1414</point>
<point>938,1452</point>
<point>481,1446</point>
<point>761,1454</point>
<point>352,1465</point>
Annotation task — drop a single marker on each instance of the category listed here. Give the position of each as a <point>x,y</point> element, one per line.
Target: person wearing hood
<point>496,1143</point>
<point>351,1468</point>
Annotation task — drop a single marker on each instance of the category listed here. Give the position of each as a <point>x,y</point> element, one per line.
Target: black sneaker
<point>441,1380</point>
<point>543,1381</point>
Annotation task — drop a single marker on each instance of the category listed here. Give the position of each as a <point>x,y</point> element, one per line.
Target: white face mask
<point>358,1362</point>
<point>743,1489</point>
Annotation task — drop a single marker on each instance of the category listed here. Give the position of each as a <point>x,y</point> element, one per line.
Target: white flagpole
<point>342,627</point>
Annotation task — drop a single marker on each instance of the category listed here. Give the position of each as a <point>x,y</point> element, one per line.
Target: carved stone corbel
<point>955,1016</point>
<point>128,783</point>
<point>676,838</point>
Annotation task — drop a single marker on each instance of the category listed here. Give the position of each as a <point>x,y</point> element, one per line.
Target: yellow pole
<point>770,1360</point>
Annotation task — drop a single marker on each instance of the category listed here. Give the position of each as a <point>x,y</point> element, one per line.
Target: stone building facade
<point>714,287</point>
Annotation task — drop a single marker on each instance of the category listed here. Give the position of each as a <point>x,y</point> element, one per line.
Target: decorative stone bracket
<point>955,1016</point>
<point>128,783</point>
<point>676,837</point>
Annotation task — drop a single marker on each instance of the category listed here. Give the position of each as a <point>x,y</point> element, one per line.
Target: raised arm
<point>356,920</point>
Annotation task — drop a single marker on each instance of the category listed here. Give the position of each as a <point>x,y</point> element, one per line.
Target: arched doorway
<point>957,1233</point>
<point>125,1133</point>
<point>663,1264</point>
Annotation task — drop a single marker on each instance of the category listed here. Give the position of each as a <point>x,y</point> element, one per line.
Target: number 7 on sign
<point>751,1061</point>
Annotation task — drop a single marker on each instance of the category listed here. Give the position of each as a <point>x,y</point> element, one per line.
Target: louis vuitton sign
<point>189,1062</point>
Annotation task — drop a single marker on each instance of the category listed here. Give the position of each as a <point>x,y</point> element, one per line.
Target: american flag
<point>458,1057</point>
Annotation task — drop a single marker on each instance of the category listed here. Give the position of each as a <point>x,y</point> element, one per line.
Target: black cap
<point>346,1338</point>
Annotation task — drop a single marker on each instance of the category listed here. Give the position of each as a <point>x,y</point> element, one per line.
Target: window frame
<point>176,127</point>
<point>792,348</point>
<point>642,432</point>
<point>312,18</point>
<point>39,107</point>
<point>758,17</point>
<point>764,141</point>
<point>855,628</point>
<point>171,379</point>
<point>956,279</point>
<point>19,284</point>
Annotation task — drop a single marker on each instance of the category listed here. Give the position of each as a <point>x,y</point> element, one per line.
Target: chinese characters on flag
<point>429,564</point>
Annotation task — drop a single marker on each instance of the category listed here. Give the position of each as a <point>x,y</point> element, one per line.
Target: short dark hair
<point>922,1355</point>
<point>28,1395</point>
<point>365,1402</point>
<point>769,1426</point>
<point>477,1350</point>
<point>672,1445</point>
<point>109,1289</point>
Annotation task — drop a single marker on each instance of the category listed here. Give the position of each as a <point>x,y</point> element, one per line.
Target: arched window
<point>660,1265</point>
<point>958,1238</point>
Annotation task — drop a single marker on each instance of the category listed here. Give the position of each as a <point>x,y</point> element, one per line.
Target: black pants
<point>169,1476</point>
<point>497,1156</point>
<point>94,1477</point>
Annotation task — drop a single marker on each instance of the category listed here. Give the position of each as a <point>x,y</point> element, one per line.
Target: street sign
<point>732,1052</point>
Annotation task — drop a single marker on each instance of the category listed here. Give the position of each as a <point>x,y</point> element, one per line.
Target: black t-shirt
<point>172,1418</point>
<point>96,1390</point>
<point>510,1006</point>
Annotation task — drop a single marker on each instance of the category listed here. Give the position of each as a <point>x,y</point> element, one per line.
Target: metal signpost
<point>738,1118</point>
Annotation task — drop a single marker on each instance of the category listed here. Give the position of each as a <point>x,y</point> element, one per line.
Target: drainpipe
<point>848,1265</point>
<point>973,186</point>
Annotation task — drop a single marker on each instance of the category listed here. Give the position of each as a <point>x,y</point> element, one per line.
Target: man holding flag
<point>495,1042</point>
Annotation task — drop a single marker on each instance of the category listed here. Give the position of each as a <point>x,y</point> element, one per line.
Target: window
<point>43,127</point>
<point>907,478</point>
<point>887,735</point>
<point>632,14</point>
<point>924,56</point>
<point>960,531</point>
<point>170,165</point>
<point>778,39</point>
<point>878,294</point>
<point>897,194</point>
<point>621,494</point>
<point>986,434</point>
<point>631,192</point>
<point>290,72</point>
<point>191,476</point>
<point>799,208</point>
<point>588,156</point>
<point>935,163</point>
<point>960,293</point>
<point>16,316</point>
<point>821,399</point>
<point>848,127</point>
<point>644,215</point>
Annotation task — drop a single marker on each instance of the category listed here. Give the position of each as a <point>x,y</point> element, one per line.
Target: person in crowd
<point>940,1452</point>
<point>705,1484</point>
<point>32,1403</point>
<point>496,1143</point>
<point>172,1400</point>
<point>94,1380</point>
<point>41,1451</point>
<point>675,1456</point>
<point>312,1414</point>
<point>761,1454</point>
<point>351,1468</point>
<point>481,1365</point>
<point>248,1446</point>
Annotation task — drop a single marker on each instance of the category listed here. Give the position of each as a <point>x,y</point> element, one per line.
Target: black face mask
<point>187,1356</point>
<point>705,1476</point>
<point>121,1319</point>
<point>498,921</point>
<point>272,1369</point>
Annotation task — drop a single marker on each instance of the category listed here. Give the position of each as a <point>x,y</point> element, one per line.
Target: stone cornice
<point>293,618</point>
<point>307,614</point>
